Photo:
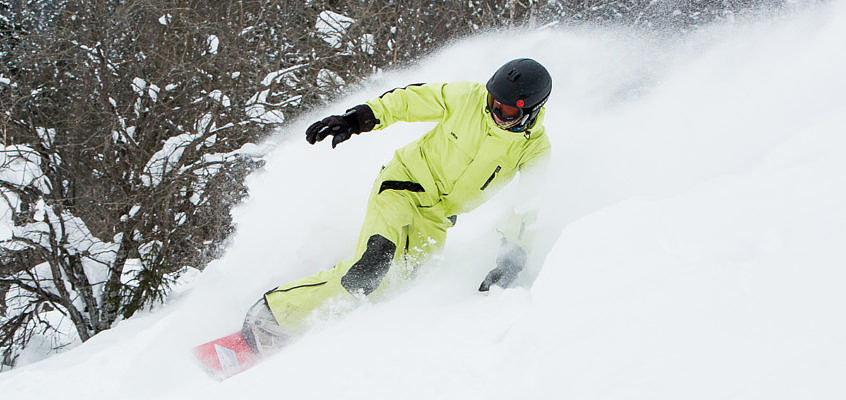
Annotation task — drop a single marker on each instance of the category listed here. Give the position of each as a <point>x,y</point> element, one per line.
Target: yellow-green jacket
<point>466,155</point>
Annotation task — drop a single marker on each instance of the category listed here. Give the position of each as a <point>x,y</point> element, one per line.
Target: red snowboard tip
<point>226,356</point>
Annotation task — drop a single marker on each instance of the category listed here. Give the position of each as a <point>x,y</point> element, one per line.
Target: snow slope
<point>692,248</point>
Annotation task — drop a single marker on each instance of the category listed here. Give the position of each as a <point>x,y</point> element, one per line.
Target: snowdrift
<point>692,245</point>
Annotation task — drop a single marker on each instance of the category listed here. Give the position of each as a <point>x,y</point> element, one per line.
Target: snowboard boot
<point>261,331</point>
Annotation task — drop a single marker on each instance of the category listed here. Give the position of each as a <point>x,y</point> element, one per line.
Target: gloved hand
<point>356,120</point>
<point>509,263</point>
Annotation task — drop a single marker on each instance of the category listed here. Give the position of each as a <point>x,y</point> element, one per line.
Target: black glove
<point>356,120</point>
<point>509,263</point>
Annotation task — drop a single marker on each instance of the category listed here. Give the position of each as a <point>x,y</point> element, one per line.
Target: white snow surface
<point>694,249</point>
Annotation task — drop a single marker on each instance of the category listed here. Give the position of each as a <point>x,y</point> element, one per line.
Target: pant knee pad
<point>367,273</point>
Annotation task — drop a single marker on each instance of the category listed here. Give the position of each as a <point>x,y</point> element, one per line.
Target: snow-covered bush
<point>125,143</point>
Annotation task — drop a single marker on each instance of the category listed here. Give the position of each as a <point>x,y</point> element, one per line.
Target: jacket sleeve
<point>519,226</point>
<point>414,103</point>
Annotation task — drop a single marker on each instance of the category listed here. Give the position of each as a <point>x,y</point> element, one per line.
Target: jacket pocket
<point>491,178</point>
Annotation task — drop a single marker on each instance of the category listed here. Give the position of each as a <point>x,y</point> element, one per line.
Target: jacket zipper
<point>493,175</point>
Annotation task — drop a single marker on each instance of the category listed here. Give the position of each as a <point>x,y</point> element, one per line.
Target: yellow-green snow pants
<point>394,218</point>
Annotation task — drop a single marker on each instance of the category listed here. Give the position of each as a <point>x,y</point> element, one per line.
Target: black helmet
<point>523,84</point>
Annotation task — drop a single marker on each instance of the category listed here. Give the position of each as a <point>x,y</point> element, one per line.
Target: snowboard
<point>226,356</point>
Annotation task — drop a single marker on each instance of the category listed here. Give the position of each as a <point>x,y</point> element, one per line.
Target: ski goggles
<point>504,115</point>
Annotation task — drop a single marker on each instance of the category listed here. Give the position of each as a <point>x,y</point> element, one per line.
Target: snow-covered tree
<point>127,132</point>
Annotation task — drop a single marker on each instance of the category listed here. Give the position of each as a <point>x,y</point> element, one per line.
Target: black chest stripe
<point>401,185</point>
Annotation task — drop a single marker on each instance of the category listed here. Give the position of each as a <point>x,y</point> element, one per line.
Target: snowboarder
<point>485,134</point>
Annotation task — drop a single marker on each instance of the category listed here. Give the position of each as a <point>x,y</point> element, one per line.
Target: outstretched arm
<point>417,102</point>
<point>517,231</point>
<point>413,103</point>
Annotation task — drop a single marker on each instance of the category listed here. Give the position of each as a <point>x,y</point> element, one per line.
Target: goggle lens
<point>504,112</point>
<point>504,115</point>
